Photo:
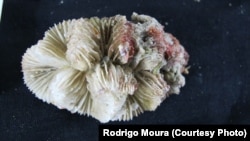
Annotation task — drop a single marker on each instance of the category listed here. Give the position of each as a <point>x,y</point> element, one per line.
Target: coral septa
<point>130,109</point>
<point>108,68</point>
<point>82,50</point>
<point>152,90</point>
<point>39,64</point>
<point>68,91</point>
<point>109,86</point>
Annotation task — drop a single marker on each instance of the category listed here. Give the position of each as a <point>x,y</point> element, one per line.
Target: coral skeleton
<point>109,68</point>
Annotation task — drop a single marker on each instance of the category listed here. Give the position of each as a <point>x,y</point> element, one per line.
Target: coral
<point>109,68</point>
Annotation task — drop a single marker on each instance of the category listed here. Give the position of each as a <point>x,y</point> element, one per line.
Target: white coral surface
<point>109,68</point>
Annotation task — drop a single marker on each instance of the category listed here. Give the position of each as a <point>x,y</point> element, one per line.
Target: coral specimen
<point>108,68</point>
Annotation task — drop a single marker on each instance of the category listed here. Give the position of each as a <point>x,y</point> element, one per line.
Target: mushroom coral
<point>108,68</point>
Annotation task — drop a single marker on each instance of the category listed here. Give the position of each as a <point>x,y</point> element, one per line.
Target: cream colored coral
<point>108,68</point>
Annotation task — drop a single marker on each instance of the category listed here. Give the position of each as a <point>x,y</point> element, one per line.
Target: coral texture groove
<point>108,68</point>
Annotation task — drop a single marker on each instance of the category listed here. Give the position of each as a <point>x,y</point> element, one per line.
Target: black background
<point>214,32</point>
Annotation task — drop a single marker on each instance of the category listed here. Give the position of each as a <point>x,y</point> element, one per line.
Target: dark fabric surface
<point>214,32</point>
